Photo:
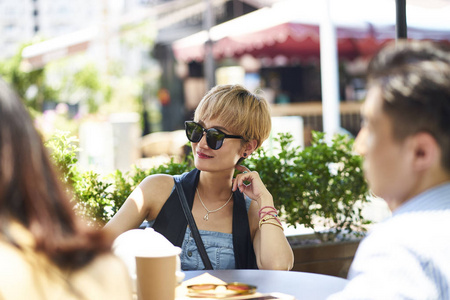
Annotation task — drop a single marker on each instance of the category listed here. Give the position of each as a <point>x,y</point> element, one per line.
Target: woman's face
<point>224,158</point>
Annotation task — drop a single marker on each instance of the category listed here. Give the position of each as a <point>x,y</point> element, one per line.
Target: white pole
<point>209,64</point>
<point>329,73</point>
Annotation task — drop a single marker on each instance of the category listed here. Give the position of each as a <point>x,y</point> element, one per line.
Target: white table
<point>301,285</point>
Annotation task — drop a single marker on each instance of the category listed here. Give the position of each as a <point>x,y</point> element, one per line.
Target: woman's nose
<point>202,143</point>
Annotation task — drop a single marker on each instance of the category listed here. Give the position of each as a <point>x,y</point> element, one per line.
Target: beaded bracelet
<point>268,213</point>
<point>271,214</point>
<point>267,218</point>
<point>264,213</point>
<point>268,222</point>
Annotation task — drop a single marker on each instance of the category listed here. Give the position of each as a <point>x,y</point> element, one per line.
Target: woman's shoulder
<point>156,179</point>
<point>19,273</point>
<point>104,266</point>
<point>20,269</point>
<point>103,278</point>
<point>164,177</point>
<point>157,185</point>
<point>14,264</point>
<point>160,184</point>
<point>106,277</point>
<point>12,256</point>
<point>164,181</point>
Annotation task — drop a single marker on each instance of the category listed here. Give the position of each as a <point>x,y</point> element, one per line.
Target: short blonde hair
<point>241,111</point>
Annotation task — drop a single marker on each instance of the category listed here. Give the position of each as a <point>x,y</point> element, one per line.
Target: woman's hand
<point>254,189</point>
<point>269,240</point>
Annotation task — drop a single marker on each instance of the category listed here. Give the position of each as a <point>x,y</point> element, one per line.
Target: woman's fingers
<point>241,168</point>
<point>245,176</point>
<point>250,183</point>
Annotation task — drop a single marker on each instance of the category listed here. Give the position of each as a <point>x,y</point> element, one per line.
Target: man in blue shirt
<point>405,141</point>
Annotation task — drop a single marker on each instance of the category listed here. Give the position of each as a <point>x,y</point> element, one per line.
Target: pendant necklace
<point>206,217</point>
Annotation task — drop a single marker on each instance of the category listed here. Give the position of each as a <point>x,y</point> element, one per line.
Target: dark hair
<point>414,78</point>
<point>32,194</point>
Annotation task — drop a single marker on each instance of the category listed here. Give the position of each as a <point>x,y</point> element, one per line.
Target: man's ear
<point>426,151</point>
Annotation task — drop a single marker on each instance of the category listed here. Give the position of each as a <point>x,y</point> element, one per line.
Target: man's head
<point>406,135</point>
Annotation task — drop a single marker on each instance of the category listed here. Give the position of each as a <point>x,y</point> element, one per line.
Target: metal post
<point>329,74</point>
<point>105,33</point>
<point>209,68</point>
<point>401,27</point>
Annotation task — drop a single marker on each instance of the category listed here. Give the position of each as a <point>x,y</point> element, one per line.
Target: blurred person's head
<point>32,194</point>
<point>235,111</point>
<point>405,137</point>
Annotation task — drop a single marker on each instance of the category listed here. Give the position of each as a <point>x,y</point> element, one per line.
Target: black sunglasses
<point>214,137</point>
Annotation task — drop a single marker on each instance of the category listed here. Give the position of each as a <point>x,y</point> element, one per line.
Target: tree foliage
<point>30,85</point>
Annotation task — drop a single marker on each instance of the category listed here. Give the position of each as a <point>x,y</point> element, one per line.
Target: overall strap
<point>192,225</point>
<point>244,253</point>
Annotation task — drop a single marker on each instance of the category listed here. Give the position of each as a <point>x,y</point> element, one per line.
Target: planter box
<point>330,258</point>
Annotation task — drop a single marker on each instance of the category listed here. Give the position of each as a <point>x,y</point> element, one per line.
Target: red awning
<point>292,30</point>
<point>291,40</point>
<point>288,39</point>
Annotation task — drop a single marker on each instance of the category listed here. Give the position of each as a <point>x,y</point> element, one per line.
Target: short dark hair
<point>414,77</point>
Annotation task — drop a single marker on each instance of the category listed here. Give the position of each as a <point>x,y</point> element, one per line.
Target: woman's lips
<point>203,155</point>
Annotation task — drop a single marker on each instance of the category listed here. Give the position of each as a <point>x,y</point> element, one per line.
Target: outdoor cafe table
<point>301,285</point>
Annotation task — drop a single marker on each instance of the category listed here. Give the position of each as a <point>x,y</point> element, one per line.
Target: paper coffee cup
<point>156,279</point>
<point>146,243</point>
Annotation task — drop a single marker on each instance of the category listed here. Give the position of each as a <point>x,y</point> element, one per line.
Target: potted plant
<point>321,187</point>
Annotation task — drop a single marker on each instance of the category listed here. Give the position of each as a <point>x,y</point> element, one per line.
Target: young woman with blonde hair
<point>237,221</point>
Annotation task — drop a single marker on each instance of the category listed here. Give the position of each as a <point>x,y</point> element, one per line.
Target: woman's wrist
<point>266,200</point>
<point>269,215</point>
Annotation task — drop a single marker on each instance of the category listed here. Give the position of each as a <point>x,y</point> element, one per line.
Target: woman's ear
<point>249,148</point>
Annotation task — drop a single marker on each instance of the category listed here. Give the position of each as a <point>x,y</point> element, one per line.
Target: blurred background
<point>123,75</point>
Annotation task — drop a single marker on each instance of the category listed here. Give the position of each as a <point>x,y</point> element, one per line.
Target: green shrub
<point>63,151</point>
<point>98,198</point>
<point>320,186</point>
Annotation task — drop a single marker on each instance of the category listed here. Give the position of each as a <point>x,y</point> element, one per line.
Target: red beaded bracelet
<point>273,210</point>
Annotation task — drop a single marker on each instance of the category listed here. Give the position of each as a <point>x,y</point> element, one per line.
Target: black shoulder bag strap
<point>192,225</point>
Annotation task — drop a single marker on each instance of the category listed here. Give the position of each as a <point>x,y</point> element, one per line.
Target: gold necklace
<point>206,217</point>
